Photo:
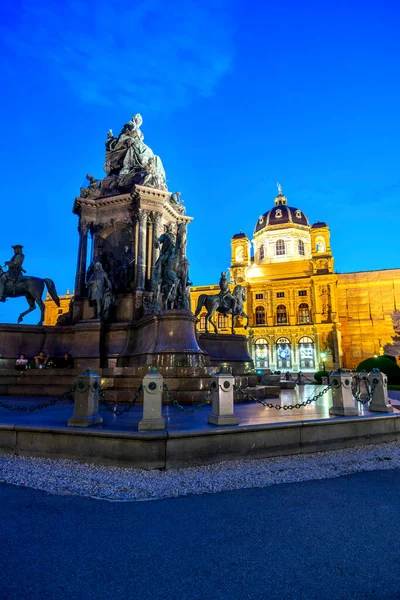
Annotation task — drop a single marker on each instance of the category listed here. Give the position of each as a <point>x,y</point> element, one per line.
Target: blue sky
<point>235,96</point>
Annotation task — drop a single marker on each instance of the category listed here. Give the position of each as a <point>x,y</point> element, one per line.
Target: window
<point>302,292</point>
<point>281,314</point>
<point>306,353</point>
<point>60,311</point>
<point>278,213</point>
<point>260,315</point>
<point>320,244</point>
<point>298,214</point>
<point>259,296</point>
<point>261,252</point>
<point>202,322</point>
<point>280,247</point>
<point>283,354</point>
<point>304,313</point>
<point>261,353</point>
<point>222,321</point>
<point>280,294</point>
<point>301,248</point>
<point>239,256</point>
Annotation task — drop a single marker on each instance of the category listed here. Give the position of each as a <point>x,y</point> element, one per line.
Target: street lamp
<point>323,360</point>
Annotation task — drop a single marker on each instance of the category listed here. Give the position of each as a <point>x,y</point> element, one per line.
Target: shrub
<point>320,374</point>
<point>384,364</point>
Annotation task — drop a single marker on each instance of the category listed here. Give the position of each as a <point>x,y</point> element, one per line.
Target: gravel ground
<point>125,484</point>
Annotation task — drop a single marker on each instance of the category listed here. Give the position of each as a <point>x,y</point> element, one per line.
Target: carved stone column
<point>80,279</point>
<point>141,258</point>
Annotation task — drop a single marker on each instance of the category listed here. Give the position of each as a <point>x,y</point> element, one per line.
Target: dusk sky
<point>235,96</point>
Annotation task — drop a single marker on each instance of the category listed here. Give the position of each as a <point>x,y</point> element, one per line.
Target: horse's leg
<point>32,306</point>
<point>210,316</point>
<point>40,302</point>
<point>243,314</point>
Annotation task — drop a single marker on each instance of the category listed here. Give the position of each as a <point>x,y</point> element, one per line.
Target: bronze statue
<point>100,291</point>
<point>124,273</point>
<point>177,203</point>
<point>170,277</point>
<point>227,299</point>
<point>14,285</point>
<point>224,303</point>
<point>92,189</point>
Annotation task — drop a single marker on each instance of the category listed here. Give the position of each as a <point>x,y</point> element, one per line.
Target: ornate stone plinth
<point>230,350</point>
<point>166,340</point>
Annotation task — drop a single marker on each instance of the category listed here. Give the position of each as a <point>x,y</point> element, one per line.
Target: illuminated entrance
<point>306,353</point>
<point>283,353</point>
<point>261,354</point>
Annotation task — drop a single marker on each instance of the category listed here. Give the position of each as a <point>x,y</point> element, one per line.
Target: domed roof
<point>281,215</point>
<point>239,235</point>
<point>319,224</point>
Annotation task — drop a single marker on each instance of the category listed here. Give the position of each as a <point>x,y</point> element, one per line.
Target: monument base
<point>227,349</point>
<point>151,424</point>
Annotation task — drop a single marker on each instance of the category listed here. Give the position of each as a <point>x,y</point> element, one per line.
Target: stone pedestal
<point>227,349</point>
<point>86,400</point>
<point>222,400</point>
<point>152,402</point>
<point>380,401</point>
<point>343,402</point>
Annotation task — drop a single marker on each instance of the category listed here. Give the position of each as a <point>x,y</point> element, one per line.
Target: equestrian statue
<point>14,284</point>
<point>225,302</point>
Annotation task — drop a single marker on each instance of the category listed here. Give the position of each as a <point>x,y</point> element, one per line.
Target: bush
<point>384,364</point>
<point>320,374</point>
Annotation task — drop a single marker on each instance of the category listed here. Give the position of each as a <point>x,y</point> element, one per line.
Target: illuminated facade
<point>302,313</point>
<point>53,312</point>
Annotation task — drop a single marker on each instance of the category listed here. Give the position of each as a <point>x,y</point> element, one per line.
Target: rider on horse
<point>15,270</point>
<point>225,293</point>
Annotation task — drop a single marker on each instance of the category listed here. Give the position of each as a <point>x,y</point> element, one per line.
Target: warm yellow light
<point>375,356</point>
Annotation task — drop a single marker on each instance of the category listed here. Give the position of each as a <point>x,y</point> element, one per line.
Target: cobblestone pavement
<point>126,484</point>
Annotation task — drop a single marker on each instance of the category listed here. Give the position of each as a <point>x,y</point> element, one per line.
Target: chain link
<point>285,406</point>
<point>356,388</point>
<point>26,409</point>
<point>188,411</point>
<point>113,407</point>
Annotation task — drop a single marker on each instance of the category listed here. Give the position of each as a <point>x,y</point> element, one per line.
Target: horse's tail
<point>200,303</point>
<point>52,290</point>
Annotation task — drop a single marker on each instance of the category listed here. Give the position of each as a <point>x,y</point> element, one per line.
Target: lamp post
<point>322,361</point>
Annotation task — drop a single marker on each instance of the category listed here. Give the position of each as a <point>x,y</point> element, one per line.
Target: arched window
<point>261,353</point>
<point>320,244</point>
<point>261,252</point>
<point>260,315</point>
<point>304,313</point>
<point>239,256</point>
<point>202,324</point>
<point>280,247</point>
<point>301,248</point>
<point>222,321</point>
<point>283,353</point>
<point>306,353</point>
<point>281,314</point>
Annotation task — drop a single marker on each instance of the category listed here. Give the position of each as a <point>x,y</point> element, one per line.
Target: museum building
<point>302,315</point>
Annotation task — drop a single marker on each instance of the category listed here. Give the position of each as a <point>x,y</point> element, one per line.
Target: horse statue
<point>214,303</point>
<point>170,277</point>
<point>32,288</point>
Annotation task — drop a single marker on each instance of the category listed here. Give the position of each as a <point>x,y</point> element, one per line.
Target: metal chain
<point>51,402</point>
<point>114,407</point>
<point>285,406</point>
<point>356,389</point>
<point>194,409</point>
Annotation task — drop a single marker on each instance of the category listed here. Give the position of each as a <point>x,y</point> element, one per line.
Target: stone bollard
<point>343,402</point>
<point>86,400</point>
<point>380,401</point>
<point>222,400</point>
<point>153,385</point>
<point>363,391</point>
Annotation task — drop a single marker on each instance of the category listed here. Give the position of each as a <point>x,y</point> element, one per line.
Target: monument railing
<point>267,404</point>
<point>31,409</point>
<point>122,407</point>
<point>193,409</point>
